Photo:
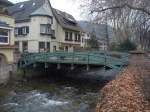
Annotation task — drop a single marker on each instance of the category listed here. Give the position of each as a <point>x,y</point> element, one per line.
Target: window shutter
<point>19,31</point>
<point>66,35</point>
<point>70,39</point>
<point>48,29</point>
<point>27,29</point>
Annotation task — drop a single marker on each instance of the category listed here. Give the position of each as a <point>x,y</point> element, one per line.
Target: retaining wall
<point>6,72</point>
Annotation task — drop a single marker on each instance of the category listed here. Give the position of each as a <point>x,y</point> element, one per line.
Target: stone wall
<point>6,72</point>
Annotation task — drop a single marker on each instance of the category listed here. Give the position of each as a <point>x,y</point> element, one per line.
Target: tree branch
<point>122,6</point>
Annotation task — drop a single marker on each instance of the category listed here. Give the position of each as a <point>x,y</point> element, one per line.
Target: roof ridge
<point>62,11</point>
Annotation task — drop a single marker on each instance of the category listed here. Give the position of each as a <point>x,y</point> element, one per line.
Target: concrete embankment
<point>130,91</point>
<point>6,72</point>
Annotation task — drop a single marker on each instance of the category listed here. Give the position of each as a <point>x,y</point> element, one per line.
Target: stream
<point>65,93</point>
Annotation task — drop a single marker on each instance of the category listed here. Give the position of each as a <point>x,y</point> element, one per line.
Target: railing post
<point>24,73</point>
<point>73,57</point>
<point>87,66</point>
<point>20,64</point>
<point>46,65</point>
<point>34,65</point>
<point>58,66</point>
<point>72,65</point>
<point>105,60</point>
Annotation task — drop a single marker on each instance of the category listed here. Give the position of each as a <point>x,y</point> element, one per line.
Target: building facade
<point>6,41</point>
<point>85,39</point>
<point>41,28</point>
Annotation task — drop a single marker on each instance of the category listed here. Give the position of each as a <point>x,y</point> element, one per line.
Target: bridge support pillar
<point>87,67</point>
<point>72,66</point>
<point>58,66</point>
<point>46,65</point>
<point>24,73</point>
<point>34,65</point>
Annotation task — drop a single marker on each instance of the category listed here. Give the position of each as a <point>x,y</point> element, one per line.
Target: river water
<point>65,93</point>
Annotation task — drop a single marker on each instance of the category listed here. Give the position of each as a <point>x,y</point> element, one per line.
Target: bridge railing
<point>73,57</point>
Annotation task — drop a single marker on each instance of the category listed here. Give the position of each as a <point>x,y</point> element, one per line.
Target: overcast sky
<point>68,6</point>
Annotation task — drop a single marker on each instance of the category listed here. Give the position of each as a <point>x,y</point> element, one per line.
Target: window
<point>79,38</point>
<point>66,35</point>
<point>4,36</point>
<point>25,30</point>
<point>21,31</point>
<point>70,37</point>
<point>76,36</point>
<point>48,46</point>
<point>41,46</point>
<point>45,29</point>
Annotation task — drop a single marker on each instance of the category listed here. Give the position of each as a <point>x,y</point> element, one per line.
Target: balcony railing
<point>77,40</point>
<point>68,39</point>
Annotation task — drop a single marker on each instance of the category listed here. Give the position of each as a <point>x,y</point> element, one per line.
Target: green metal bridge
<point>75,58</point>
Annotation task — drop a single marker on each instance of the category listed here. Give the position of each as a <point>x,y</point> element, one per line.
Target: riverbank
<point>130,92</point>
<point>7,71</point>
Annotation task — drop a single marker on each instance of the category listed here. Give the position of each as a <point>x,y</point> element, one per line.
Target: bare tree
<point>129,18</point>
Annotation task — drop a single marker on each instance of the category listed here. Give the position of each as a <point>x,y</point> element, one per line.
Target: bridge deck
<point>90,58</point>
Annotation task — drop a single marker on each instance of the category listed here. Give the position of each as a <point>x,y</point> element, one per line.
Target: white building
<point>103,44</point>
<point>86,37</point>
<point>41,28</point>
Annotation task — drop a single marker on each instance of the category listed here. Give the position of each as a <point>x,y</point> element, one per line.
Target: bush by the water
<point>126,45</point>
